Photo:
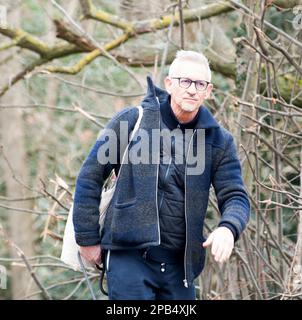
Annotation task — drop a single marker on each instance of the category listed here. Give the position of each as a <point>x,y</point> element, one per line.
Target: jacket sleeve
<point>93,173</point>
<point>230,191</point>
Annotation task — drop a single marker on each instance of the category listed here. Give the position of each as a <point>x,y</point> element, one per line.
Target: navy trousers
<point>145,275</point>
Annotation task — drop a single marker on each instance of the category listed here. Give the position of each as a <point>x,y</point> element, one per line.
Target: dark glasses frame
<point>190,82</point>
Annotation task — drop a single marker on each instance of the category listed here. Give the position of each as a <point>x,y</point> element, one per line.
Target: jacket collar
<point>205,118</point>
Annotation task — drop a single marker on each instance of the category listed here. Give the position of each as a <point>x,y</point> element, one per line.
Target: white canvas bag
<point>70,248</point>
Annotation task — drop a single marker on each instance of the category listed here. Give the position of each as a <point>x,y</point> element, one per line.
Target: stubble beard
<point>188,107</point>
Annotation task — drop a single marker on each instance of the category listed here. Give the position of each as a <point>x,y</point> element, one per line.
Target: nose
<point>192,89</point>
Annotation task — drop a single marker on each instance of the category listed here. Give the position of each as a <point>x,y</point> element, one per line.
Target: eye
<point>201,85</point>
<point>185,82</point>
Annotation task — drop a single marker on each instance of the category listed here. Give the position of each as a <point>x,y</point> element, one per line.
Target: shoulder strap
<point>138,121</point>
<point>136,126</point>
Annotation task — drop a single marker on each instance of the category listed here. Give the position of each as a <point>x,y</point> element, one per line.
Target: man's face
<point>188,99</point>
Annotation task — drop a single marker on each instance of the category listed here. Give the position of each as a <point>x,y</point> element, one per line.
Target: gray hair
<point>186,55</point>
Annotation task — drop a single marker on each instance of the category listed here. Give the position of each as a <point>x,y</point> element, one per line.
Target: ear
<point>209,90</point>
<point>168,84</point>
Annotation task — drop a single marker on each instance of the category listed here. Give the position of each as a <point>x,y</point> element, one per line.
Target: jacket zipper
<point>156,187</point>
<point>185,281</point>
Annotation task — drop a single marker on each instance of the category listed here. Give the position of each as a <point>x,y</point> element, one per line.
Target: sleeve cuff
<point>85,240</point>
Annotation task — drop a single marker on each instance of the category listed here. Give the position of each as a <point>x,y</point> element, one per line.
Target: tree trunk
<point>13,136</point>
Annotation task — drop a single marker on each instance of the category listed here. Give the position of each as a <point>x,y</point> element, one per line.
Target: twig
<point>21,254</point>
<point>87,115</point>
<point>32,211</point>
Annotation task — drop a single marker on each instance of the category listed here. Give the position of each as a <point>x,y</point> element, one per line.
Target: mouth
<point>190,100</point>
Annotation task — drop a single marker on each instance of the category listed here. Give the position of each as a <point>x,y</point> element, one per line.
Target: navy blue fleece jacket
<point>132,219</point>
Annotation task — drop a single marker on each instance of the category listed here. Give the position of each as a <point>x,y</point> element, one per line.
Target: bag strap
<point>137,124</point>
<point>89,284</point>
<point>138,121</point>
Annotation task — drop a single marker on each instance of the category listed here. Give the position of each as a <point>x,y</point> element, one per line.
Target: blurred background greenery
<point>50,118</point>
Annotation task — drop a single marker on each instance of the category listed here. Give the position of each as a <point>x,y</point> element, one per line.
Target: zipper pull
<point>162,267</point>
<point>185,281</point>
<point>145,254</point>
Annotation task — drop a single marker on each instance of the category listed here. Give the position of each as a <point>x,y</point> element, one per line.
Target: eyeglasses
<point>185,83</point>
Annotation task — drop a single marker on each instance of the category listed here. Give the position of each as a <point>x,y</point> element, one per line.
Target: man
<point>152,239</point>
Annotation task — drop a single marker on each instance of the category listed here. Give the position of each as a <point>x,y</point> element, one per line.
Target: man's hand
<point>222,241</point>
<point>92,254</point>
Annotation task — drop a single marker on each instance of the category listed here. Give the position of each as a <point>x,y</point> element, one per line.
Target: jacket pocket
<point>130,228</point>
<point>123,217</point>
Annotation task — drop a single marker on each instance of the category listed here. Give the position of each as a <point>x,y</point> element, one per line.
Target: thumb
<point>208,241</point>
